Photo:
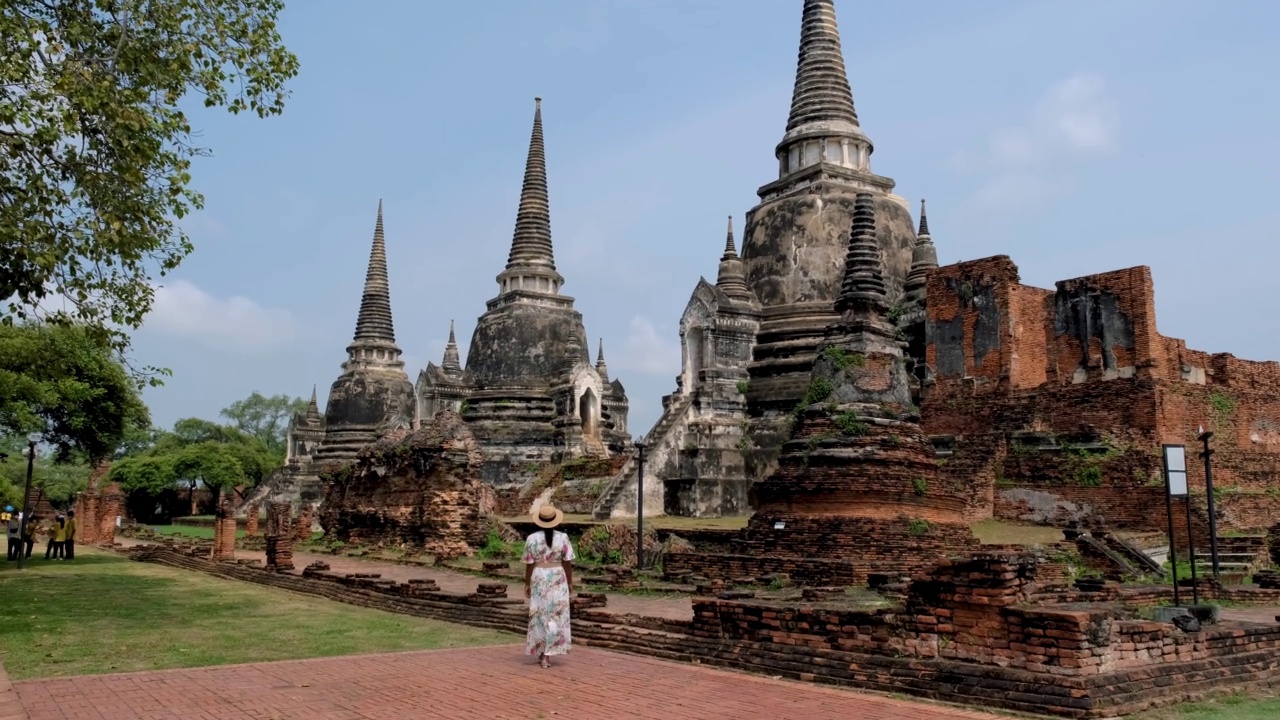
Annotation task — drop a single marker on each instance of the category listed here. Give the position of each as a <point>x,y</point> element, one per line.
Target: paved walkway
<point>466,684</point>
<point>457,582</point>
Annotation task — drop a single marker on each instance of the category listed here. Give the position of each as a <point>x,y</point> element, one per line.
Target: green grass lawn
<point>191,531</point>
<point>102,613</point>
<point>1263,706</point>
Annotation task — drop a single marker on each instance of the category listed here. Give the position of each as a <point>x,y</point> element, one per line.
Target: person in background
<point>57,535</point>
<point>14,526</point>
<point>29,539</point>
<point>69,544</point>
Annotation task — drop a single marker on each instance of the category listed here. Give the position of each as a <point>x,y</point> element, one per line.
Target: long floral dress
<point>548,595</point>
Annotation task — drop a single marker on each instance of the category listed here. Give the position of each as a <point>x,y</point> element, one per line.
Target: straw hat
<point>548,516</point>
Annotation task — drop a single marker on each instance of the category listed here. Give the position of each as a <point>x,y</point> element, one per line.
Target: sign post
<point>1175,485</point>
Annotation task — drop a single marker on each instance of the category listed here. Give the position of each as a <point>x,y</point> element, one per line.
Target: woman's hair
<point>548,534</point>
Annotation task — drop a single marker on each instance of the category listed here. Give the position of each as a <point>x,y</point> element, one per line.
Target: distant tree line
<point>65,383</point>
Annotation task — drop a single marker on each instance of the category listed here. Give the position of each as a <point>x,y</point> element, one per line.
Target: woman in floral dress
<point>548,583</point>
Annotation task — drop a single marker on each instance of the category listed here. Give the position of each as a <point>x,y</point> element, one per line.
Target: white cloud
<point>1027,164</point>
<point>183,310</point>
<point>648,352</point>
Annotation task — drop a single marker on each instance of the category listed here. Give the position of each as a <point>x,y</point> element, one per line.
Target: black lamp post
<point>32,440</point>
<point>640,502</point>
<point>1203,436</point>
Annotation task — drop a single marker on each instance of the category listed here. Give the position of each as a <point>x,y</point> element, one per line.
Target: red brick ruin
<point>1053,404</point>
<point>224,531</point>
<point>423,490</point>
<point>279,536</point>
<point>251,513</point>
<point>97,510</point>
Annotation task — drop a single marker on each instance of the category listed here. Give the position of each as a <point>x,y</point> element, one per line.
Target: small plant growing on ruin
<point>920,486</point>
<point>777,584</point>
<point>894,440</point>
<point>1222,405</point>
<point>918,526</point>
<point>820,389</point>
<point>463,407</point>
<point>744,443</point>
<point>495,548</point>
<point>742,386</point>
<point>849,424</point>
<point>1089,476</point>
<point>842,358</point>
<point>895,314</point>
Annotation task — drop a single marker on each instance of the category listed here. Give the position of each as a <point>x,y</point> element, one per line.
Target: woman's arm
<point>568,573</point>
<point>528,577</point>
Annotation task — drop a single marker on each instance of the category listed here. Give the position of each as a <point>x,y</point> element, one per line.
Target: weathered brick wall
<point>1085,363</point>
<point>423,491</point>
<point>279,536</point>
<point>968,324</point>
<point>728,566</point>
<point>88,520</point>
<point>251,520</point>
<point>110,506</point>
<point>224,531</point>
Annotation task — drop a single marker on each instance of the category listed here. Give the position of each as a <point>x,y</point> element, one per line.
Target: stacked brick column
<point>251,520</point>
<point>306,518</point>
<point>87,516</point>
<point>110,507</point>
<point>224,532</point>
<point>279,536</point>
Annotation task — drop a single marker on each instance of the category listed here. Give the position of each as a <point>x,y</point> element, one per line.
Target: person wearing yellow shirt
<point>29,539</point>
<point>69,544</point>
<point>57,536</point>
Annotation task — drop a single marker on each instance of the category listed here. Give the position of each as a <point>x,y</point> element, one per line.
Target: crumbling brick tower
<point>279,538</point>
<point>224,531</point>
<point>857,480</point>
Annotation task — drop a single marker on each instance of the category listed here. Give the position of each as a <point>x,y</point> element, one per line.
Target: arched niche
<point>589,413</point>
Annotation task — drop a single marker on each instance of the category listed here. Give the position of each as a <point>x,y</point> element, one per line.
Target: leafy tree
<point>60,381</point>
<point>196,452</point>
<point>266,418</point>
<point>60,481</point>
<point>143,473</point>
<point>97,148</point>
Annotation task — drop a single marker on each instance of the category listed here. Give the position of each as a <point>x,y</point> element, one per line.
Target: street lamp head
<point>34,438</point>
<point>1202,434</point>
<point>639,441</point>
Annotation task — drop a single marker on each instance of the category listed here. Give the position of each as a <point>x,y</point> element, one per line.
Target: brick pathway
<point>465,684</point>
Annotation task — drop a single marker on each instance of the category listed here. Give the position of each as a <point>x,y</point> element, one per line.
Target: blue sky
<point>1076,137</point>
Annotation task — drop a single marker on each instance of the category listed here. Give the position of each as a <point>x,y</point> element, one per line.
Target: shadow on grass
<point>37,562</point>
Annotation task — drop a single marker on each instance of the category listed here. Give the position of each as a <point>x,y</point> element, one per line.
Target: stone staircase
<point>1134,555</point>
<point>1239,554</point>
<point>1100,550</point>
<point>603,508</point>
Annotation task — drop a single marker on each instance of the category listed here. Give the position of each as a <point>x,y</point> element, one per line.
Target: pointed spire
<point>821,92</point>
<point>374,321</point>
<point>601,368</point>
<point>732,279</point>
<point>531,243</point>
<point>863,277</point>
<point>924,257</point>
<point>729,249</point>
<point>451,363</point>
<point>313,408</point>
